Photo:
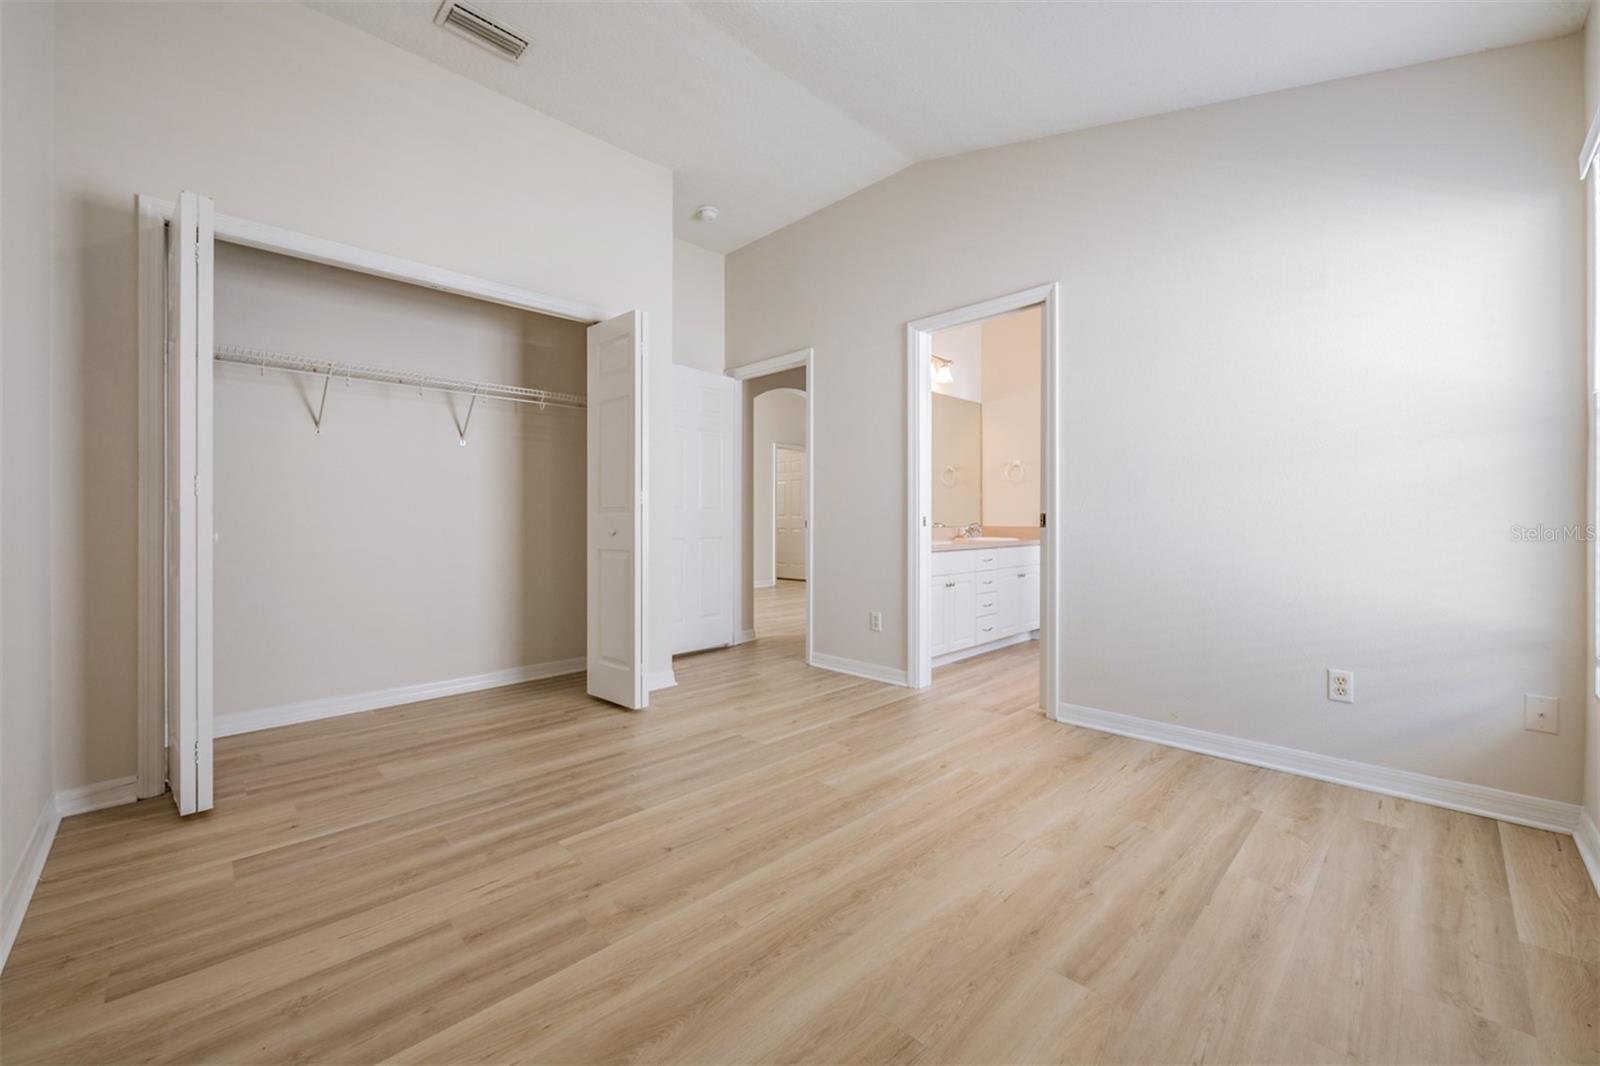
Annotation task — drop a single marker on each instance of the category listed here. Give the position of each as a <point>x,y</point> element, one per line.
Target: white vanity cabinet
<point>982,596</point>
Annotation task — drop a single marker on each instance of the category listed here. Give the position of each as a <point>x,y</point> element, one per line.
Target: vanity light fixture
<point>942,374</point>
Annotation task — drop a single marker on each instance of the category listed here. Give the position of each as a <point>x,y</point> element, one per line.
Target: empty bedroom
<point>966,532</point>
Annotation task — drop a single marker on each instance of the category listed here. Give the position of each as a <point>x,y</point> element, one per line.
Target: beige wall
<point>1320,351</point>
<point>697,307</point>
<point>322,129</point>
<point>381,552</point>
<point>1012,351</point>
<point>26,33</point>
<point>780,418</point>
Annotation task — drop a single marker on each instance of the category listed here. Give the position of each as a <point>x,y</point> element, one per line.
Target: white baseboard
<point>25,877</point>
<point>984,649</point>
<point>1440,792</point>
<point>227,725</point>
<point>86,798</point>
<point>23,880</point>
<point>1587,837</point>
<point>661,679</point>
<point>745,636</point>
<point>856,668</point>
<point>767,584</point>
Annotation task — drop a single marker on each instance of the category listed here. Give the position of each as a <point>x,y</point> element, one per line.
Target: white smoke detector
<point>705,213</point>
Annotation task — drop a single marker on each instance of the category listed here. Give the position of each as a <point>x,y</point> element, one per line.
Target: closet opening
<point>377,541</point>
<point>367,482</point>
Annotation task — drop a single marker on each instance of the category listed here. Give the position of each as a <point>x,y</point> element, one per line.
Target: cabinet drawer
<point>988,601</point>
<point>988,629</point>
<point>956,562</point>
<point>1018,555</point>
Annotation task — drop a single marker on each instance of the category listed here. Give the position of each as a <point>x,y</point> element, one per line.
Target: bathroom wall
<point>780,418</point>
<point>963,346</point>
<point>1012,347</point>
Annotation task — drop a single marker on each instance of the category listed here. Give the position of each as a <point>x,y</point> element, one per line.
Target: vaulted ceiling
<point>771,111</point>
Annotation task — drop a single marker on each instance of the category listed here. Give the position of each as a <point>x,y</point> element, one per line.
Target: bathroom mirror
<point>957,461</point>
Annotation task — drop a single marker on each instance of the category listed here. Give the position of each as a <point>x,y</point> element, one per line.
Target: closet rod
<point>327,369</point>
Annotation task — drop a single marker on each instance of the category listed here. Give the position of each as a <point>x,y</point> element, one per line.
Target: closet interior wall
<point>380,552</point>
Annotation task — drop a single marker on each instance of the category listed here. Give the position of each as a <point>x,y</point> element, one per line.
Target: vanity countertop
<point>974,543</point>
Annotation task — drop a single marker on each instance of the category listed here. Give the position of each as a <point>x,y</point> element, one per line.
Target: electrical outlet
<point>875,621</point>
<point>1341,686</point>
<point>1541,714</point>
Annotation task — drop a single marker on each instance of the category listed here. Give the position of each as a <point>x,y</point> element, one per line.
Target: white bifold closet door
<point>703,436</point>
<point>189,503</point>
<point>616,557</point>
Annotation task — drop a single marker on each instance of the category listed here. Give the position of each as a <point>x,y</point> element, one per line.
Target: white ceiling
<point>771,111</point>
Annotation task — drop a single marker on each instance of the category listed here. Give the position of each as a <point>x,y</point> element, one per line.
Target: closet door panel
<point>189,503</point>
<point>616,579</point>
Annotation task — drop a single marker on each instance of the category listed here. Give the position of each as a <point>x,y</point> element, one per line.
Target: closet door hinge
<point>197,485</point>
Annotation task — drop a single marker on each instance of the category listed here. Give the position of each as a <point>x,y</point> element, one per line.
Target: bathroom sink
<point>986,540</point>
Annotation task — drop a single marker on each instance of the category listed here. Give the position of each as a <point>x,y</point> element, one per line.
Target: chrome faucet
<point>972,529</point>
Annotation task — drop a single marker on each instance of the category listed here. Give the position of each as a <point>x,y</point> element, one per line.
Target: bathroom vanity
<point>984,594</point>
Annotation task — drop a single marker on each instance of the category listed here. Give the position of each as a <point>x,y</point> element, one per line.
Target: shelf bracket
<point>322,405</point>
<point>462,429</point>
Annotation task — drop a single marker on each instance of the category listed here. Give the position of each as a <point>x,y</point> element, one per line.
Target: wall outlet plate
<point>1341,685</point>
<point>875,621</point>
<point>1541,714</point>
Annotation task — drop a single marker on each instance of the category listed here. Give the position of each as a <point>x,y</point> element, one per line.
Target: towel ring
<point>1014,471</point>
<point>947,477</point>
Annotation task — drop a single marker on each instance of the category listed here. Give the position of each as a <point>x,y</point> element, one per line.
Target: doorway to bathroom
<point>981,546</point>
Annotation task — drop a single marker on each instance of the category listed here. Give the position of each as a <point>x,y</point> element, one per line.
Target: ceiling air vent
<point>481,29</point>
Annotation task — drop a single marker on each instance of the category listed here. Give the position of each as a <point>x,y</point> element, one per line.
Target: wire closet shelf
<point>328,369</point>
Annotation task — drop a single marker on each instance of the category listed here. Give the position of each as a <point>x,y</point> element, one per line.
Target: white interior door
<point>789,512</point>
<point>189,503</point>
<point>616,549</point>
<point>702,509</point>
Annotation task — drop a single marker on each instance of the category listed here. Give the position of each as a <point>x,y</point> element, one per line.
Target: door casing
<point>802,357</point>
<point>919,482</point>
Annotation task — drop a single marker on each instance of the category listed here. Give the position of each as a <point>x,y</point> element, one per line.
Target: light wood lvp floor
<point>776,863</point>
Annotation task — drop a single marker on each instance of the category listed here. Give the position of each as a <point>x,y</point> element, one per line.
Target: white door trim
<point>152,214</point>
<point>380,264</point>
<point>919,476</point>
<point>803,357</point>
